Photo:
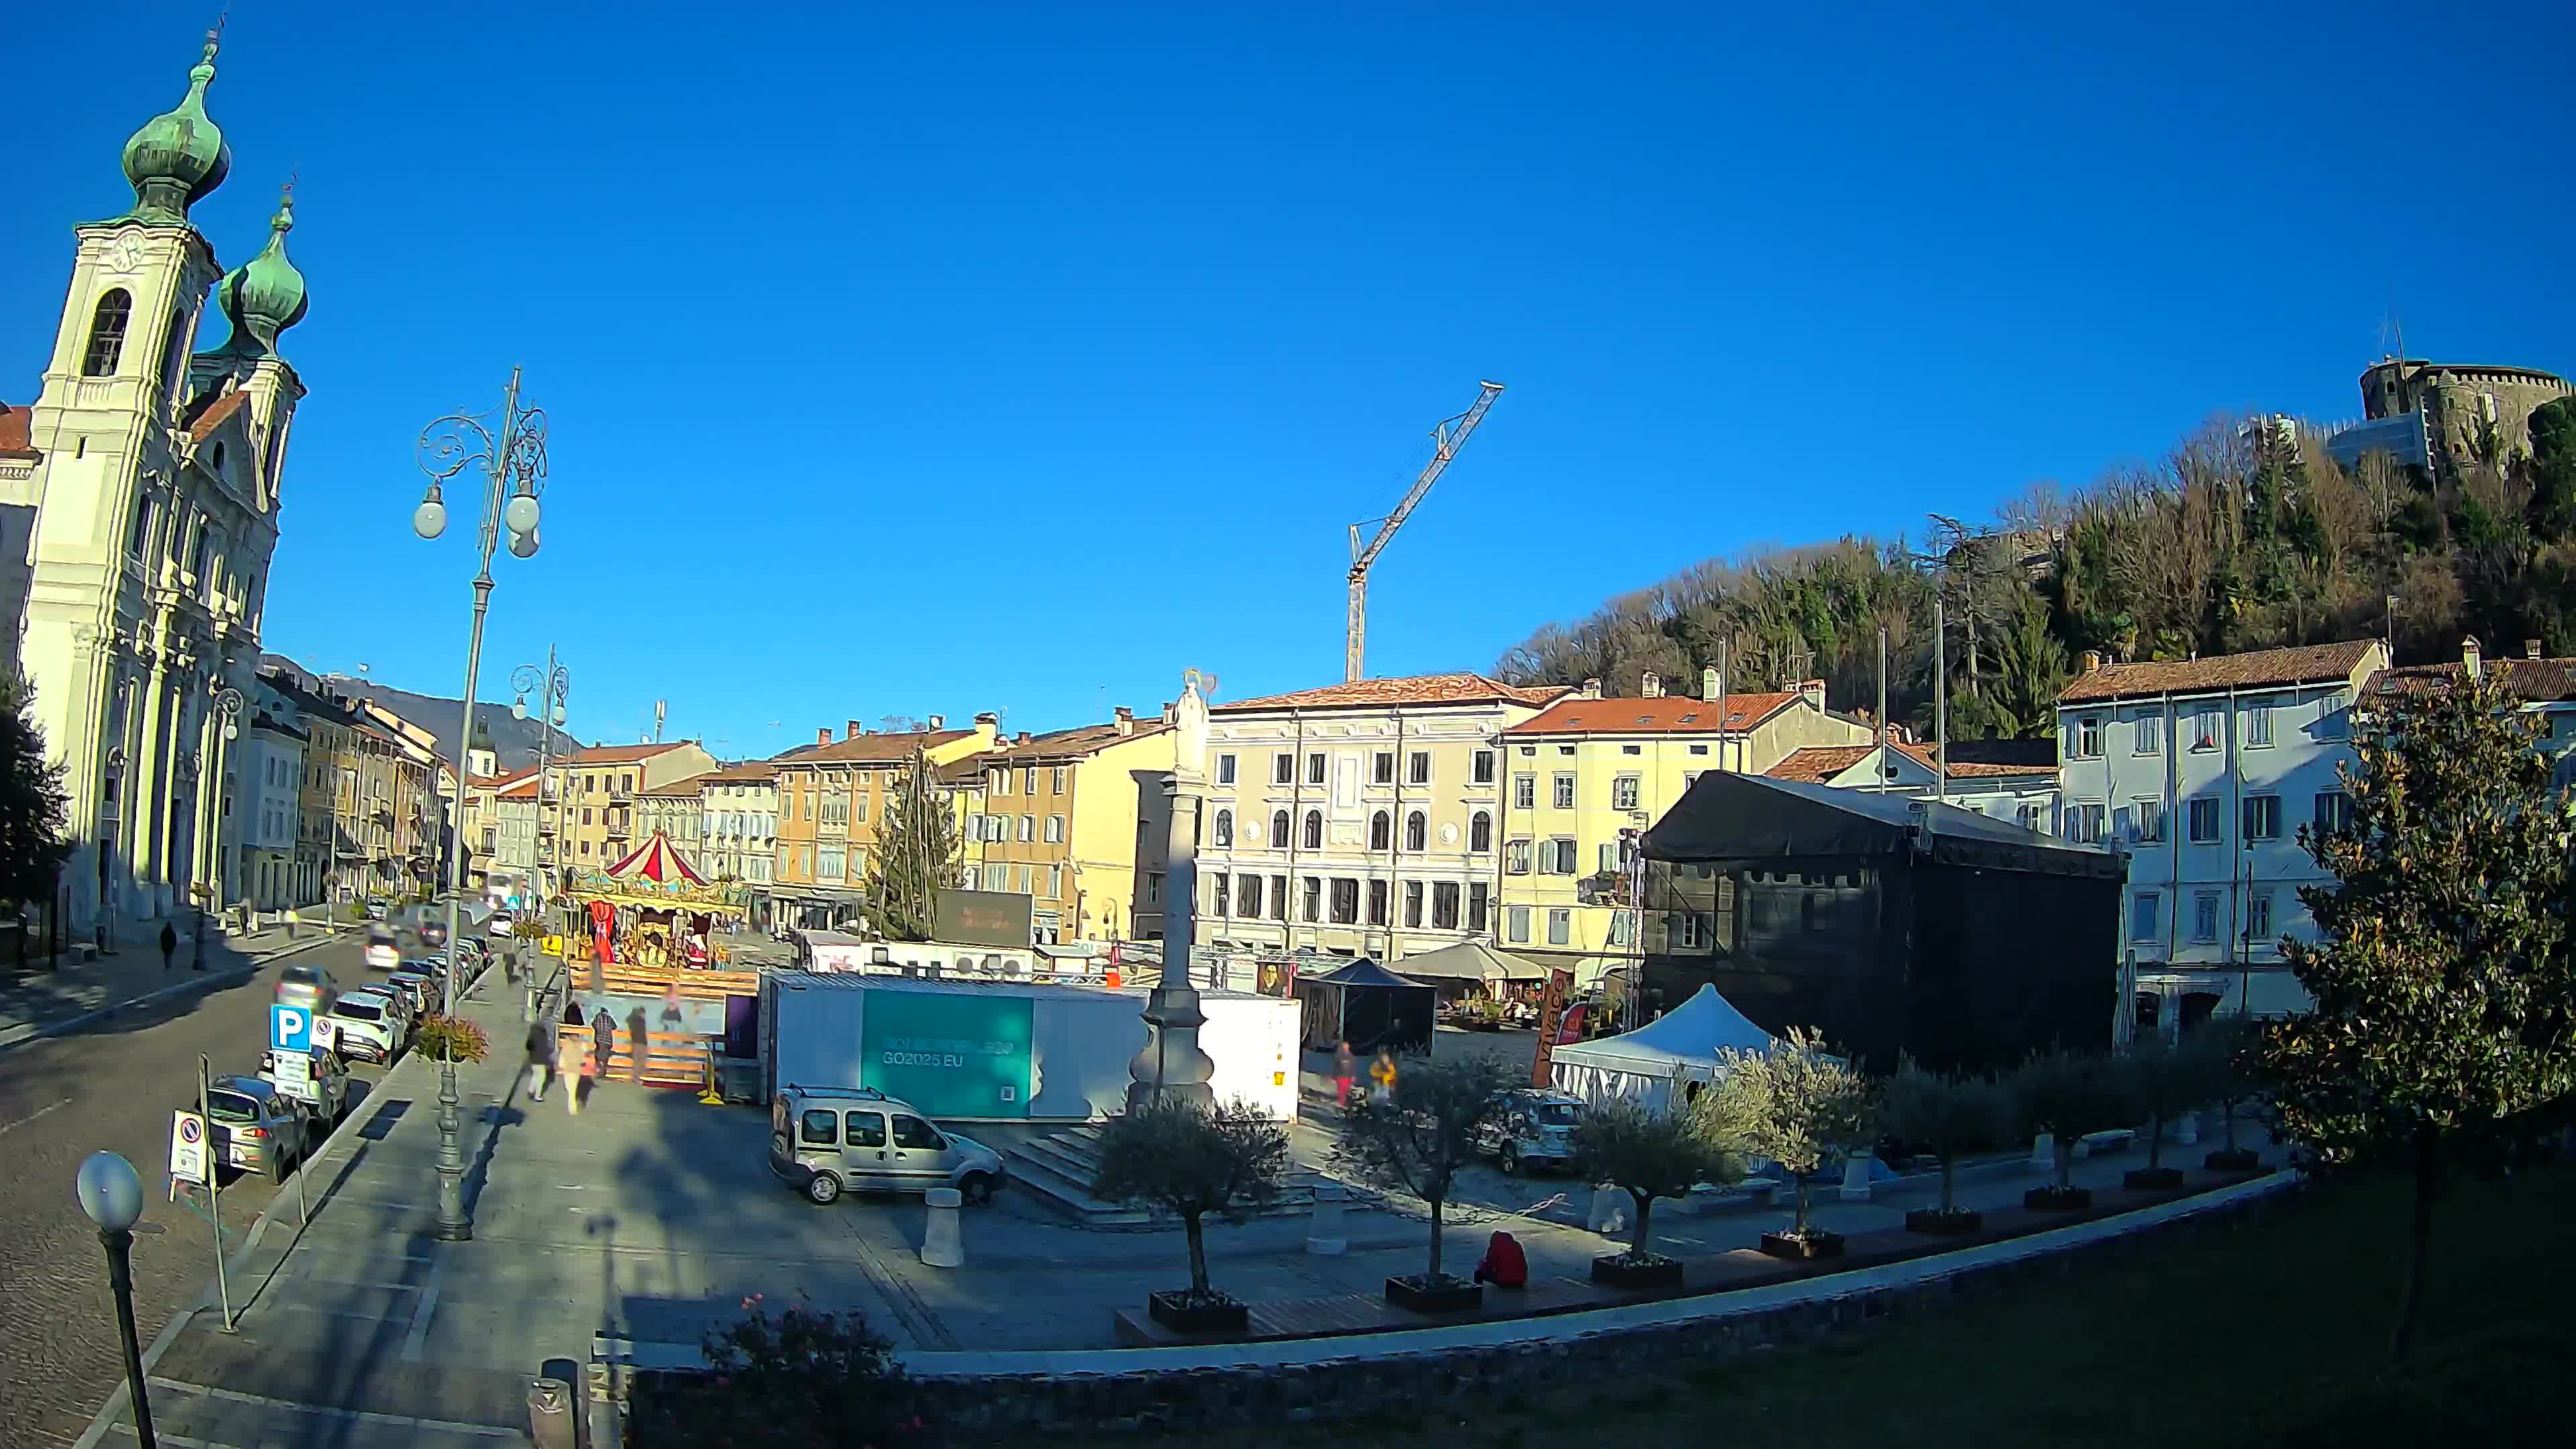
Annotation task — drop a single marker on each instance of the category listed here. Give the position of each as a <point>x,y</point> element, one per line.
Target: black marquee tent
<point>1368,1006</point>
<point>1888,923</point>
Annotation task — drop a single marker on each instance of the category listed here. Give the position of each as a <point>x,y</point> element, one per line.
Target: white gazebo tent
<point>1470,961</point>
<point>1661,1059</point>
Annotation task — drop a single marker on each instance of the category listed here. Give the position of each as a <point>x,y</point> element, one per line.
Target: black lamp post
<point>112,1195</point>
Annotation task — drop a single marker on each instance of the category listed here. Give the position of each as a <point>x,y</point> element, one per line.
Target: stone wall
<point>1366,1376</point>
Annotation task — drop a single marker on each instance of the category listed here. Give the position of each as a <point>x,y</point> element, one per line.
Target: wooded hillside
<point>2240,538</point>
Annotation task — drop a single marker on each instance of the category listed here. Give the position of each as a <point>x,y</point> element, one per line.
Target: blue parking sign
<point>290,1029</point>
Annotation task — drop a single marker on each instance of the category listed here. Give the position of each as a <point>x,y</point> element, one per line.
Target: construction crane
<point>1446,439</point>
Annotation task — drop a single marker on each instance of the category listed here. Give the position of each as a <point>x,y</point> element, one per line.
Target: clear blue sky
<point>1020,356</point>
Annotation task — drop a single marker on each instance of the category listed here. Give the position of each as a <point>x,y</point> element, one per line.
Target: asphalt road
<point>113,1086</point>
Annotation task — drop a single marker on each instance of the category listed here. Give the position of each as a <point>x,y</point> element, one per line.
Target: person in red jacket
<point>1505,1265</point>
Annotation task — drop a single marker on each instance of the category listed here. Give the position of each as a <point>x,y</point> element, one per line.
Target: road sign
<point>290,1030</point>
<point>293,1074</point>
<point>554,945</point>
<point>325,1034</point>
<point>188,1147</point>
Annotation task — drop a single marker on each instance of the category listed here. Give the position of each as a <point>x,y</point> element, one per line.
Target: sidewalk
<point>49,1003</point>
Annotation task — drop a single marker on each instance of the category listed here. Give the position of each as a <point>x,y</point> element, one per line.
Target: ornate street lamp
<point>512,458</point>
<point>551,684</point>
<point>112,1195</point>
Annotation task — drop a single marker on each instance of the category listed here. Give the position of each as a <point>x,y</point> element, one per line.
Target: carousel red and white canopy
<point>658,861</point>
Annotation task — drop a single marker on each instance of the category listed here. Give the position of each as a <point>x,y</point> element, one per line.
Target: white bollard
<point>1609,1214</point>
<point>1856,1176</point>
<point>941,1244</point>
<point>1325,1237</point>
<point>2043,1153</point>
<point>2187,1128</point>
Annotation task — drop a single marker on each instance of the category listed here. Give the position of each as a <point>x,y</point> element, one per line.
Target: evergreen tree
<point>2445,1008</point>
<point>33,807</point>
<point>916,856</point>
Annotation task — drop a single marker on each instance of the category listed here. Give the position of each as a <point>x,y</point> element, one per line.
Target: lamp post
<point>512,460</point>
<point>112,1195</point>
<point>552,685</point>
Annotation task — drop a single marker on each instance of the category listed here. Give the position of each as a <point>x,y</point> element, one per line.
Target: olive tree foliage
<point>1799,1106</point>
<point>1193,1161</point>
<point>1944,1115</point>
<point>2443,975</point>
<point>1650,1154</point>
<point>1418,1138</point>
<point>2066,1095</point>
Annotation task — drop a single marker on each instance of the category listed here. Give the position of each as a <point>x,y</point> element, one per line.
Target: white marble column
<point>147,800</point>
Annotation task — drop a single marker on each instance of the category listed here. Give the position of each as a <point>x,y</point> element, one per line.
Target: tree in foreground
<point>797,1376</point>
<point>1650,1154</point>
<point>2228,1050</point>
<point>1798,1106</point>
<point>1946,1116</point>
<point>2165,1080</point>
<point>1422,1134</point>
<point>2445,1006</point>
<point>2067,1095</point>
<point>33,807</point>
<point>916,854</point>
<point>1194,1161</point>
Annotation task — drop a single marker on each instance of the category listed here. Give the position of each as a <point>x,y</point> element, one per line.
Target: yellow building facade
<point>832,801</point>
<point>1585,777</point>
<point>1060,821</point>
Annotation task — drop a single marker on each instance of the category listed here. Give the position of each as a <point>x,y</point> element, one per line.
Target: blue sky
<point>1020,356</point>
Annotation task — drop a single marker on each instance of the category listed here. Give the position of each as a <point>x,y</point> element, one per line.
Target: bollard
<point>941,1244</point>
<point>2043,1153</point>
<point>1856,1176</point>
<point>1609,1212</point>
<point>1325,1236</point>
<point>2186,1129</point>
<point>550,1414</point>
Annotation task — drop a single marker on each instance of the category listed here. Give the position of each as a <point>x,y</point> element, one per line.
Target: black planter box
<point>1453,1296</point>
<point>2057,1199</point>
<point>2240,1159</point>
<point>1951,1224</point>
<point>2151,1178</point>
<point>1175,1312</point>
<point>1815,1244</point>
<point>1654,1273</point>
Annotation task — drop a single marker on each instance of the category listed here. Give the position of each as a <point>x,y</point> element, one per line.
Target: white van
<point>826,1140</point>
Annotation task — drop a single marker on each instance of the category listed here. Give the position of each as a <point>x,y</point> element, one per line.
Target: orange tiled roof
<point>1670,714</point>
<point>1459,688</point>
<point>1815,764</point>
<point>16,435</point>
<point>2264,668</point>
<point>523,790</point>
<point>618,754</point>
<point>2531,680</point>
<point>747,771</point>
<point>1068,744</point>
<point>688,786</point>
<point>891,749</point>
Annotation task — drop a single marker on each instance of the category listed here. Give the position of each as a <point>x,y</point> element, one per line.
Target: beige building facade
<point>1060,823</point>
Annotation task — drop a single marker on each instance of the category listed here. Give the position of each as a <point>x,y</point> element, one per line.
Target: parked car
<point>824,1140</point>
<point>378,910</point>
<point>309,987</point>
<point>415,993</point>
<point>1535,1129</point>
<point>259,1128</point>
<point>369,1026</point>
<point>498,928</point>
<point>326,1092</point>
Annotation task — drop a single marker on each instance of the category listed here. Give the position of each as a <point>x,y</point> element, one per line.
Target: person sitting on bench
<point>1505,1265</point>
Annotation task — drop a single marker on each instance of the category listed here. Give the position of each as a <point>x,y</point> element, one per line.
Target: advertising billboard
<point>951,1054</point>
<point>980,918</point>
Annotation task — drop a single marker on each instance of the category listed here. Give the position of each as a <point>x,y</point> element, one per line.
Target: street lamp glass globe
<point>109,1191</point>
<point>519,708</point>
<point>559,716</point>
<point>523,545</point>
<point>429,520</point>
<point>521,513</point>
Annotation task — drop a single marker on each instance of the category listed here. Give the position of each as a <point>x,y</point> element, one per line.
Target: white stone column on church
<point>143,831</point>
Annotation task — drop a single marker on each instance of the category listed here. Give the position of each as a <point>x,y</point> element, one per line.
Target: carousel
<point>655,910</point>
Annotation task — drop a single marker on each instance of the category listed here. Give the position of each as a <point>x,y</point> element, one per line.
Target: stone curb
<point>26,1032</point>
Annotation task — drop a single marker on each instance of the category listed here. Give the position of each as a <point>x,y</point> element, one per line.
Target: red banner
<point>1552,1022</point>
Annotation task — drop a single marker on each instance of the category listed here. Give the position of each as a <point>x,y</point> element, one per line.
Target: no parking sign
<point>188,1147</point>
<point>290,1030</point>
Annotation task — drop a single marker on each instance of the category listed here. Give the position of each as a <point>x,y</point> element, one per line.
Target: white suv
<point>370,1026</point>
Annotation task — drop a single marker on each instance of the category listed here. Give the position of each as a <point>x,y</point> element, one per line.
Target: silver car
<point>309,987</point>
<point>823,1140</point>
<point>257,1127</point>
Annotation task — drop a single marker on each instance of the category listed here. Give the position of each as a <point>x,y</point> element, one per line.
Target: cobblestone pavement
<point>112,1085</point>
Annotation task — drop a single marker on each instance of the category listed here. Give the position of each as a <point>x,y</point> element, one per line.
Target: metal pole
<point>1881,782</point>
<point>1940,702</point>
<point>214,1194</point>
<point>120,1281</point>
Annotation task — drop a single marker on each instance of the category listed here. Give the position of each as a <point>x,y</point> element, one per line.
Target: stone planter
<point>1816,1244</point>
<point>1453,1295</point>
<point>1939,1223</point>
<point>2057,1199</point>
<point>1176,1312</point>
<point>2241,1159</point>
<point>1610,1268</point>
<point>2151,1179</point>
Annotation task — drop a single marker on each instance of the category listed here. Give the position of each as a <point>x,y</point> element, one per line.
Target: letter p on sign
<point>290,1029</point>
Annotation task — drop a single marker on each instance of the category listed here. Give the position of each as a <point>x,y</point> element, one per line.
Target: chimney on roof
<point>2470,663</point>
<point>936,722</point>
<point>1708,683</point>
<point>2092,661</point>
<point>1125,718</point>
<point>1023,738</point>
<point>850,729</point>
<point>988,717</point>
<point>1653,685</point>
<point>823,735</point>
<point>2530,648</point>
<point>1591,690</point>
<point>1814,690</point>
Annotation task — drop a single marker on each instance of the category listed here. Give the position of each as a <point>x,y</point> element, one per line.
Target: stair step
<point>1060,1167</point>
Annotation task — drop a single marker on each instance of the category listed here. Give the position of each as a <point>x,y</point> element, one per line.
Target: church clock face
<point>125,255</point>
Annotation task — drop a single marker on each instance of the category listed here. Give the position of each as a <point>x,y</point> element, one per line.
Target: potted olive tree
<point>1803,1109</point>
<point>1947,1117</point>
<point>1651,1154</point>
<point>2165,1081</point>
<point>2220,1046</point>
<point>2066,1095</point>
<point>1415,1141</point>
<point>1192,1161</point>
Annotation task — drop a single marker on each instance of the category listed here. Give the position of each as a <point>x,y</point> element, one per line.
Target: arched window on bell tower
<point>107,333</point>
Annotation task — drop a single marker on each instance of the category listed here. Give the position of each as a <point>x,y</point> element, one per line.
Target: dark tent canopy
<point>1368,1006</point>
<point>1890,924</point>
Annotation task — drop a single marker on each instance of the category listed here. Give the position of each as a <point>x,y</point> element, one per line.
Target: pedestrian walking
<point>636,1046</point>
<point>1345,1071</point>
<point>1382,1076</point>
<point>585,1078</point>
<point>603,1036</point>
<point>169,944</point>
<point>541,1058</point>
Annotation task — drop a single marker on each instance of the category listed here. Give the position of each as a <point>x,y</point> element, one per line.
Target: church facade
<point>140,493</point>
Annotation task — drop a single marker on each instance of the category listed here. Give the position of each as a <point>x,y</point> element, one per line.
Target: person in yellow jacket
<point>1382,1075</point>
